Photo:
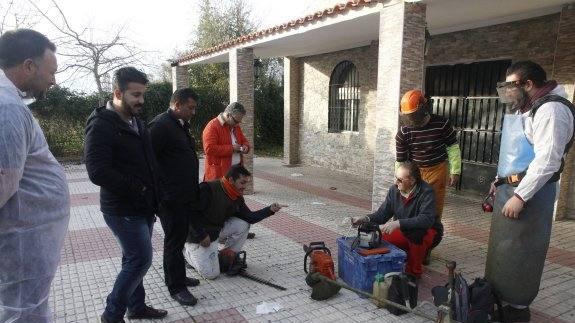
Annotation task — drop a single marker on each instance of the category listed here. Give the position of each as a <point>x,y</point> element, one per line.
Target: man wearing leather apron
<point>537,133</point>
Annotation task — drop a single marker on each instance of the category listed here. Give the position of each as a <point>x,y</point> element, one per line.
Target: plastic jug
<point>380,288</point>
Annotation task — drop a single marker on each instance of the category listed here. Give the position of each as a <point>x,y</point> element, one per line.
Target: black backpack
<point>473,303</point>
<point>482,300</point>
<point>403,288</point>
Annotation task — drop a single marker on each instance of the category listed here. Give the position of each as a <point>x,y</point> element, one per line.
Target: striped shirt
<point>427,145</point>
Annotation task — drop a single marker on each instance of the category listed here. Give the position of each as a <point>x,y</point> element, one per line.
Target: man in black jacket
<point>410,205</point>
<point>222,214</point>
<point>175,151</point>
<point>119,159</point>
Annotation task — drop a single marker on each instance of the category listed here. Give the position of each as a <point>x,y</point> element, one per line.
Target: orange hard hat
<point>411,101</point>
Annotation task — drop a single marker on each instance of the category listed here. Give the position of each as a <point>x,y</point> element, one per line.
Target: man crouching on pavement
<point>410,205</point>
<point>222,215</point>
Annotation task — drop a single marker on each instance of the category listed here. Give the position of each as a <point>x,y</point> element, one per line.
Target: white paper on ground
<point>317,203</point>
<point>265,308</point>
<point>296,174</point>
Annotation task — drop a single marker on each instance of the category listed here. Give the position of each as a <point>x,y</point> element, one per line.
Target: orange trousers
<point>436,176</point>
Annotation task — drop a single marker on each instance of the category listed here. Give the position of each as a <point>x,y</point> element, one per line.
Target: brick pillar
<point>564,73</point>
<point>180,77</point>
<point>292,67</point>
<point>400,68</point>
<point>242,91</point>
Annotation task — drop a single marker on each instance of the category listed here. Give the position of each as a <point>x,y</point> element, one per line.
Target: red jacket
<point>217,142</point>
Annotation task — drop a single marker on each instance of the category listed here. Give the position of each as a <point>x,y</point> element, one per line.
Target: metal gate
<point>466,95</point>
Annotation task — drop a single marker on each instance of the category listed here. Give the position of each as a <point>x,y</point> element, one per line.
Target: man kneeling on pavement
<point>407,217</point>
<point>222,216</point>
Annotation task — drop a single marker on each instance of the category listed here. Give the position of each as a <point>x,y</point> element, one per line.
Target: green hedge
<point>63,114</point>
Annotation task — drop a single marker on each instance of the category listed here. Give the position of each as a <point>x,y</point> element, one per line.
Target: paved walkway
<point>320,204</point>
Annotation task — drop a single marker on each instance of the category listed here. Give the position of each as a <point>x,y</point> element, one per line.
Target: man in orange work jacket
<point>223,141</point>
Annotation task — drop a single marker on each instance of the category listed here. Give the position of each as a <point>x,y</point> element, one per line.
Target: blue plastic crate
<point>359,271</point>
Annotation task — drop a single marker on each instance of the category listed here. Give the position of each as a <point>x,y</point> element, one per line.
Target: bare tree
<point>14,15</point>
<point>87,57</point>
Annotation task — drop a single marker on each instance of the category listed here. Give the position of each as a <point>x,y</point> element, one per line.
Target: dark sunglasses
<point>399,180</point>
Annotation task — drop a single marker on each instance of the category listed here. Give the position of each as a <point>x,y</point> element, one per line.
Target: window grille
<point>344,98</point>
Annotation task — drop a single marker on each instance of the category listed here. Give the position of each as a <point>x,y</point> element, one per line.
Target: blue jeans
<point>135,237</point>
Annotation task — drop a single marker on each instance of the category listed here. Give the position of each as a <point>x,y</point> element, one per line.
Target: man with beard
<point>431,142</point>
<point>119,159</point>
<point>537,133</point>
<point>175,150</point>
<point>34,198</point>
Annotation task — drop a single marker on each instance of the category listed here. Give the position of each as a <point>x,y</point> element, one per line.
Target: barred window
<point>343,98</point>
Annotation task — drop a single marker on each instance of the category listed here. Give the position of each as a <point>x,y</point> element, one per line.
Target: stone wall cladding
<point>350,152</point>
<point>532,39</point>
<point>292,77</point>
<point>564,73</point>
<point>242,91</point>
<point>400,67</point>
<point>180,77</point>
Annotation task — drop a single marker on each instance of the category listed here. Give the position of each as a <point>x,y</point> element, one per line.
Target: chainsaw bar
<point>260,280</point>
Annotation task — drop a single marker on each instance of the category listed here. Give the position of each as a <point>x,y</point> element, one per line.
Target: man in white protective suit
<point>34,199</point>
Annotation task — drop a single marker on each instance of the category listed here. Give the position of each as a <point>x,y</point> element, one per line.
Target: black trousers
<point>175,222</point>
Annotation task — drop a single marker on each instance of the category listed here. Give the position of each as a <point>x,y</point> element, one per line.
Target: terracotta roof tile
<point>292,24</point>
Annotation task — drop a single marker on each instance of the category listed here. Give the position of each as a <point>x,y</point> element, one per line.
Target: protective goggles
<point>503,89</point>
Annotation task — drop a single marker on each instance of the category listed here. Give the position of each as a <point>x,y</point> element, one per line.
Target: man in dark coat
<point>175,150</point>
<point>119,159</point>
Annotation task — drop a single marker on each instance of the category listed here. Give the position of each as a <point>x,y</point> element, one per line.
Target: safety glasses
<point>509,84</point>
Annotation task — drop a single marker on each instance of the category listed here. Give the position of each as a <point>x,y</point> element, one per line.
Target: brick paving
<point>320,204</point>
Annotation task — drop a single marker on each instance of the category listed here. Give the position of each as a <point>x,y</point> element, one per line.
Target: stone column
<point>292,68</point>
<point>400,68</point>
<point>564,73</point>
<point>180,77</point>
<point>242,91</point>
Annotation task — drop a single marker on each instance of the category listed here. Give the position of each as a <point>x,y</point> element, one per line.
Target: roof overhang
<point>355,27</point>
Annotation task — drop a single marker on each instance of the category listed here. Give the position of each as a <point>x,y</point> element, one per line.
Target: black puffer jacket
<point>122,163</point>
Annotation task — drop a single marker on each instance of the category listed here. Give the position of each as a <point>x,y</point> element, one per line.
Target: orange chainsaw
<point>322,263</point>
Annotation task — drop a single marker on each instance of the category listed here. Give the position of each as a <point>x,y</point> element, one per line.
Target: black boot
<point>103,319</point>
<point>427,259</point>
<point>192,282</point>
<point>185,298</point>
<point>148,312</point>
<point>512,314</point>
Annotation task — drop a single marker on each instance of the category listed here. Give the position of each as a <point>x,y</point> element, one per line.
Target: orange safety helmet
<point>411,101</point>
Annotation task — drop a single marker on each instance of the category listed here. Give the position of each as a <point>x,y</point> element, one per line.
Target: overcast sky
<point>161,28</point>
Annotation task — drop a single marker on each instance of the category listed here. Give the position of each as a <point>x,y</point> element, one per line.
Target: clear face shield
<point>512,94</point>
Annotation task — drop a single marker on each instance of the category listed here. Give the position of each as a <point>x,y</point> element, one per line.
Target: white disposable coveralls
<point>34,212</point>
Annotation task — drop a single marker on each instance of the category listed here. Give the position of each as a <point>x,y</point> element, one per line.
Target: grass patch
<point>275,151</point>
